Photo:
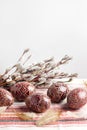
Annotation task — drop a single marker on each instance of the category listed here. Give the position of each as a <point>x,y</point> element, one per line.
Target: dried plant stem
<point>49,117</point>
<point>26,116</point>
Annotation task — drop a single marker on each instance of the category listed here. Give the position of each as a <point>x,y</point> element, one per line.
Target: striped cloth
<point>67,119</point>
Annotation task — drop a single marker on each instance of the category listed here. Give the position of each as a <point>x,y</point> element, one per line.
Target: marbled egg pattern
<point>57,92</point>
<point>6,98</point>
<point>77,98</point>
<point>21,90</point>
<point>38,102</point>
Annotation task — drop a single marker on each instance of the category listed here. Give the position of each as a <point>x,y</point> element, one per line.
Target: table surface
<point>9,118</point>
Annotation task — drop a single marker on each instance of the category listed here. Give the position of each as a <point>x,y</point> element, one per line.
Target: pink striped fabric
<point>9,118</point>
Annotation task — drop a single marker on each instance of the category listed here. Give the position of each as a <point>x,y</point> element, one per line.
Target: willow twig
<point>39,74</point>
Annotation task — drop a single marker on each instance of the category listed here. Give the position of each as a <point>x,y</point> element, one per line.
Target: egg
<point>6,98</point>
<point>77,98</point>
<point>21,90</point>
<point>38,102</point>
<point>57,92</point>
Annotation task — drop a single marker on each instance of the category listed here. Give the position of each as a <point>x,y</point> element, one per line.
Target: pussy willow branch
<point>39,74</point>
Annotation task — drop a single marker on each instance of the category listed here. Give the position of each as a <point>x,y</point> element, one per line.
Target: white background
<point>48,28</point>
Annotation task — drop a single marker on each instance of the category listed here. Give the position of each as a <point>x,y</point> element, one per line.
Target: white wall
<point>48,28</point>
